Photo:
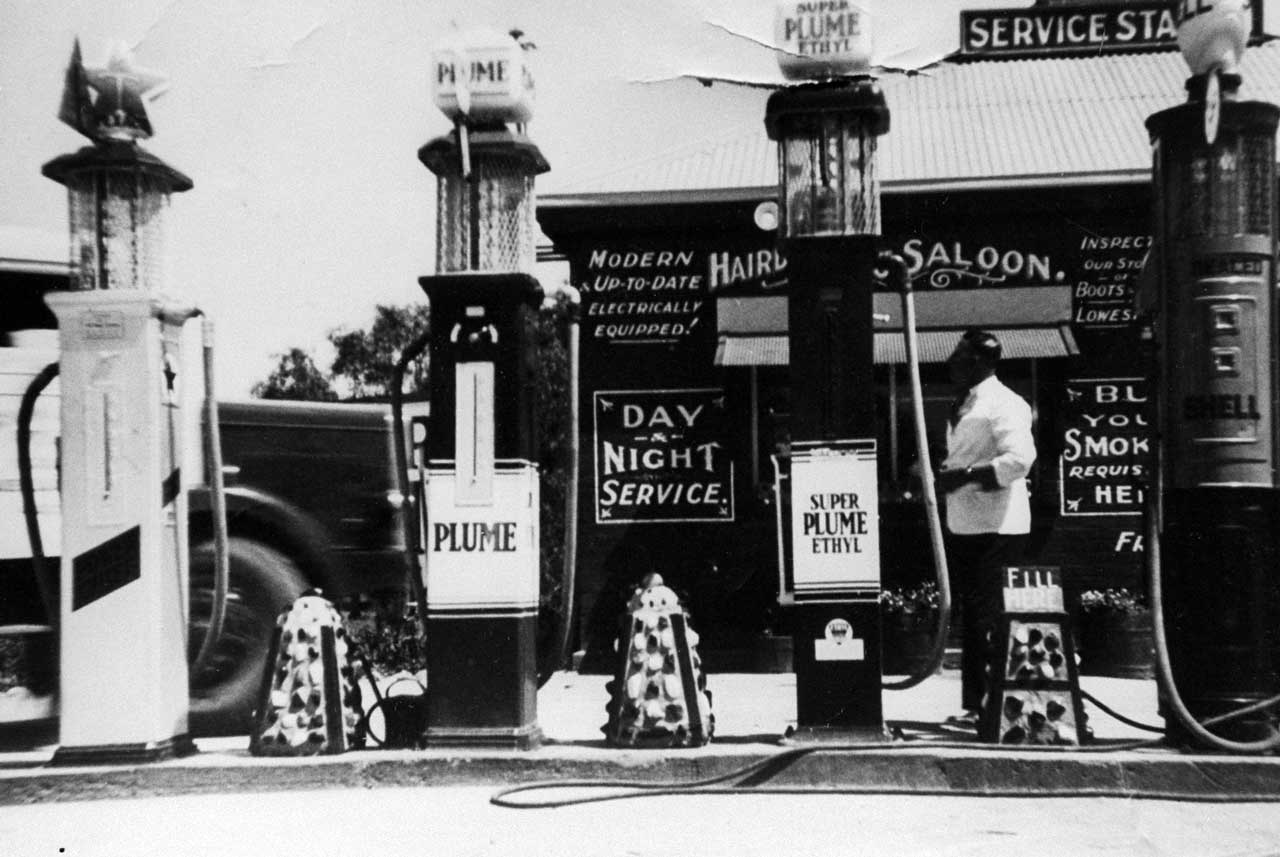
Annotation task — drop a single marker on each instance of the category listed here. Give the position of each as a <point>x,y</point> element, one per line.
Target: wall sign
<point>835,518</point>
<point>660,456</point>
<point>1099,261</point>
<point>1103,290</point>
<point>1067,29</point>
<point>1106,447</point>
<point>643,295</point>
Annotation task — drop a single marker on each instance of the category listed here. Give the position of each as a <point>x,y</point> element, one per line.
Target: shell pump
<point>1212,534</point>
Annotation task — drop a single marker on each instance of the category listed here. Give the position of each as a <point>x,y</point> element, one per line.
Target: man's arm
<point>1015,453</point>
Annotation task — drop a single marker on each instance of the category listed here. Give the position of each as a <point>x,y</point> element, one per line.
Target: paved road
<point>460,822</point>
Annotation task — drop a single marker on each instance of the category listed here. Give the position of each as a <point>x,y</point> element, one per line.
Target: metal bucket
<point>404,717</point>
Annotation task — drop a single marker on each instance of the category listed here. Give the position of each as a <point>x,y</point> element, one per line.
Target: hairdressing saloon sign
<point>660,456</point>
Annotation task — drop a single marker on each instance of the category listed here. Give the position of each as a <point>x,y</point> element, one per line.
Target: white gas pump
<point>123,579</point>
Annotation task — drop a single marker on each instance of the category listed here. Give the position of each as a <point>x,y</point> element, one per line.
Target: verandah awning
<point>934,346</point>
<point>1031,322</point>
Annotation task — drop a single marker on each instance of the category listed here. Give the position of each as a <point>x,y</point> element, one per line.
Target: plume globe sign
<point>483,75</point>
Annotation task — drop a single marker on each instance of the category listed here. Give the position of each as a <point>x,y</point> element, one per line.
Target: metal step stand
<point>1034,695</point>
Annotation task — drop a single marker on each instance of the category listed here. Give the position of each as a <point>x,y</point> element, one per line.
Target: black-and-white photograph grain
<point>740,428</point>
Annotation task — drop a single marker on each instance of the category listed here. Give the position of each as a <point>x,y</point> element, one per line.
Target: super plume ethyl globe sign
<point>822,39</point>
<point>1213,33</point>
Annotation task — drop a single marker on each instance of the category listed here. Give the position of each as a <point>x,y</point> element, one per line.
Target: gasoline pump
<point>1213,516</point>
<point>827,128</point>
<point>123,577</point>
<point>480,519</point>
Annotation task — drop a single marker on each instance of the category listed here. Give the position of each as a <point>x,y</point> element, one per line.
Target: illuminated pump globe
<point>1213,35</point>
<point>116,196</point>
<point>827,133</point>
<point>485,222</point>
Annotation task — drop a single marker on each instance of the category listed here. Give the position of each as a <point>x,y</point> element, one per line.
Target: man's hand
<point>949,480</point>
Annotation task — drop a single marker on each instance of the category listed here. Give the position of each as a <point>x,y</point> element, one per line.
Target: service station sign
<point>1067,28</point>
<point>660,456</point>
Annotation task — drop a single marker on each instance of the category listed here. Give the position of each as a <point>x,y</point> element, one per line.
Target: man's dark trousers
<point>977,564</point>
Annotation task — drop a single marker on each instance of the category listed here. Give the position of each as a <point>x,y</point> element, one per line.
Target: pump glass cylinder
<point>827,176</point>
<point>117,240</point>
<point>486,223</point>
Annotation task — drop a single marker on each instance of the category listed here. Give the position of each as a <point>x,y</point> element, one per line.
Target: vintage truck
<point>311,502</point>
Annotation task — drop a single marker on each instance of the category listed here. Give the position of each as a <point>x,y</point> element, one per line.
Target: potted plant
<point>1115,634</point>
<point>909,620</point>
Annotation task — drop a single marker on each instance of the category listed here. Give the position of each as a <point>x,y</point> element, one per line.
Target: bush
<point>1111,602</point>
<point>913,607</point>
<point>385,630</point>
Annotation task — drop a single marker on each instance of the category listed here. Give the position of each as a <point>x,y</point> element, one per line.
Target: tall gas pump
<point>1215,514</point>
<point>123,610</point>
<point>827,129</point>
<point>481,533</point>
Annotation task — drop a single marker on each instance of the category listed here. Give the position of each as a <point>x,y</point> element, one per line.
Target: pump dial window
<point>1224,320</point>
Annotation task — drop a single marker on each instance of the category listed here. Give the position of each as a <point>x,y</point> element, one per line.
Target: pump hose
<point>213,473</point>
<point>568,580</point>
<point>943,629</point>
<point>45,582</point>
<point>213,457</point>
<point>415,571</point>
<point>410,532</point>
<point>1164,669</point>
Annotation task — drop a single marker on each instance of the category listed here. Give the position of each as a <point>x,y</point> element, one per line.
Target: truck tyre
<point>263,583</point>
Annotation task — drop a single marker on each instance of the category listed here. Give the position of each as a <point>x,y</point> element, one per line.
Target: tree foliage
<point>365,358</point>
<point>296,376</point>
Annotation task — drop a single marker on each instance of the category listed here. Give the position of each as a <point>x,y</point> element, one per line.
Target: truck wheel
<point>263,583</point>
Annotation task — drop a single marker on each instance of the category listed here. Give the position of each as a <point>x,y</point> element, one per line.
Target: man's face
<point>962,365</point>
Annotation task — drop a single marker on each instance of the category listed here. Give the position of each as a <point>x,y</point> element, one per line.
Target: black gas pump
<point>830,205</point>
<point>1214,511</point>
<point>481,510</point>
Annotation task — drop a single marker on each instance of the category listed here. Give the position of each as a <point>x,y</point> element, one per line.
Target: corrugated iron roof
<point>1034,121</point>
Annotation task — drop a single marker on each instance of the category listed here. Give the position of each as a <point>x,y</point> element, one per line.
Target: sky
<point>299,122</point>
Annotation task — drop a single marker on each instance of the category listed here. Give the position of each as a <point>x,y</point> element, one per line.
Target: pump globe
<point>1213,35</point>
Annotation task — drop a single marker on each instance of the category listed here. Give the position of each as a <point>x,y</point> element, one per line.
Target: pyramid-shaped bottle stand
<point>659,696</point>
<point>309,701</point>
